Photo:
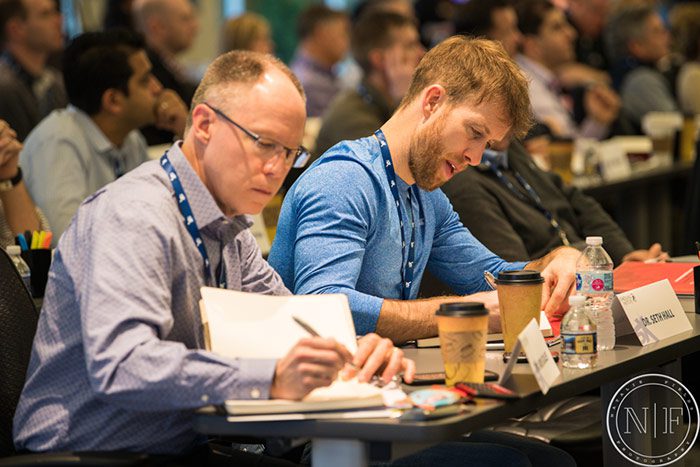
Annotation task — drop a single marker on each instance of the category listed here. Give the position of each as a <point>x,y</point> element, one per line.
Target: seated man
<point>387,47</point>
<point>638,40</point>
<point>323,42</point>
<point>514,221</point>
<point>78,150</point>
<point>547,46</point>
<point>367,218</point>
<point>118,360</point>
<point>30,31</point>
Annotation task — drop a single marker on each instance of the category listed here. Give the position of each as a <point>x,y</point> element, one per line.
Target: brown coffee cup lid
<point>525,276</point>
<point>460,309</point>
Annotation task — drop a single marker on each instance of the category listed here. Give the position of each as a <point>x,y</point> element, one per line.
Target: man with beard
<point>367,218</point>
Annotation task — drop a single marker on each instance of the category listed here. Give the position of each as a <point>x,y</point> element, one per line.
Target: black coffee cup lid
<point>460,309</point>
<point>525,276</point>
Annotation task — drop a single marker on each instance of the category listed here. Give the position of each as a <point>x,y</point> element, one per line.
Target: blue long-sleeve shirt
<point>338,232</point>
<point>118,360</point>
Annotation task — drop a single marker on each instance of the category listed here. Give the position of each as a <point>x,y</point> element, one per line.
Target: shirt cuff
<point>255,378</point>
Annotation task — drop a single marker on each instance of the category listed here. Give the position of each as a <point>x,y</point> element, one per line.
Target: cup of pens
<point>36,252</point>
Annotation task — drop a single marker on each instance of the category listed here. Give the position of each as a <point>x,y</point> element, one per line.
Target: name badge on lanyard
<point>191,224</point>
<point>406,269</point>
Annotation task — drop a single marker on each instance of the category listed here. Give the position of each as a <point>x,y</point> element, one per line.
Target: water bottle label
<point>594,282</point>
<point>580,343</point>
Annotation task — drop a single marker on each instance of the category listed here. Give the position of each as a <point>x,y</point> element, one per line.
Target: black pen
<point>307,327</point>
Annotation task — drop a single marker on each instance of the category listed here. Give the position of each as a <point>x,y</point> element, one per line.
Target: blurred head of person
<point>250,31</point>
<point>400,7</point>
<point>685,24</point>
<point>589,16</point>
<point>639,32</point>
<point>324,34</point>
<point>548,38</point>
<point>493,19</point>
<point>108,76</point>
<point>169,26</point>
<point>30,26</point>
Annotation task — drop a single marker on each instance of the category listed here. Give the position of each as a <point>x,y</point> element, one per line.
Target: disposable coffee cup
<point>462,328</point>
<point>661,127</point>
<point>519,299</point>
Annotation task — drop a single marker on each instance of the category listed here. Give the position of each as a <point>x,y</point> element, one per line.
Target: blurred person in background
<point>547,49</point>
<point>250,31</point>
<point>30,31</point>
<point>387,48</point>
<point>324,40</point>
<point>637,40</point>
<point>687,25</point>
<point>169,28</point>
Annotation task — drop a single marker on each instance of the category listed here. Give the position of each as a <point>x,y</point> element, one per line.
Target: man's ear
<point>636,48</point>
<point>201,123</point>
<point>434,96</point>
<point>112,101</point>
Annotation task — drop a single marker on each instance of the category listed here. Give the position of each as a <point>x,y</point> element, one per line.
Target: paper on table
<point>248,325</point>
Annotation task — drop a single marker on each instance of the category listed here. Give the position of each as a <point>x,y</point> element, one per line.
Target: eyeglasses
<point>268,148</point>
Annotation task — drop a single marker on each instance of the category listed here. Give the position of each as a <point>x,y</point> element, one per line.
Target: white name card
<point>614,164</point>
<point>654,312</point>
<point>539,357</point>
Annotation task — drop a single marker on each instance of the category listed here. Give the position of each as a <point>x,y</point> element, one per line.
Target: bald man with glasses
<point>119,344</point>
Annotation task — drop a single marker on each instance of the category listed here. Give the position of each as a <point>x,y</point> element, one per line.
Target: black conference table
<point>346,442</point>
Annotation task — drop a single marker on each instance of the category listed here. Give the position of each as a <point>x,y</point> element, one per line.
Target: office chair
<point>18,321</point>
<point>692,206</point>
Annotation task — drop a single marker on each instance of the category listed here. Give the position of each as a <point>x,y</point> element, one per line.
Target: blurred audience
<point>77,150</point>
<point>169,28</point>
<point>118,15</point>
<point>250,31</point>
<point>17,211</point>
<point>637,39</point>
<point>548,47</point>
<point>30,30</point>
<point>589,17</point>
<point>387,48</point>
<point>493,19</point>
<point>324,40</point>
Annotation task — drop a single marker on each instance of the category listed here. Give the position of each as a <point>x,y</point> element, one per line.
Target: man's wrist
<point>8,184</point>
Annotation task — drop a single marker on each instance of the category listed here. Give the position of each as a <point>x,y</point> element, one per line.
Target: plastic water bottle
<point>15,253</point>
<point>578,335</point>
<point>594,280</point>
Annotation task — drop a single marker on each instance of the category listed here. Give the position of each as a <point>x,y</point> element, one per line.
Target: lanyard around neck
<point>191,224</point>
<point>532,196</point>
<point>407,270</point>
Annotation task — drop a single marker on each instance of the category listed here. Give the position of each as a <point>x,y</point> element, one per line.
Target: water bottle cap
<point>594,241</point>
<point>13,250</point>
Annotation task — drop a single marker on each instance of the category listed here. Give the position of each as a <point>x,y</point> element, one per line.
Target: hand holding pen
<point>375,355</point>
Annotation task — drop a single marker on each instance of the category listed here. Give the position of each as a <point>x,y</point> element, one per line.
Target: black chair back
<point>18,321</point>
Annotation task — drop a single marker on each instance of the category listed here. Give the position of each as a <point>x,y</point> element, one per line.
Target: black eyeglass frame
<point>301,154</point>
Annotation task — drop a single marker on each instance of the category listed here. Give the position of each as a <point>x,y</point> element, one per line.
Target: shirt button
<point>255,393</point>
<point>205,398</point>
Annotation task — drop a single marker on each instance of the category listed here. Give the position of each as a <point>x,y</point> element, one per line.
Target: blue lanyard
<point>407,270</point>
<point>533,196</point>
<point>191,223</point>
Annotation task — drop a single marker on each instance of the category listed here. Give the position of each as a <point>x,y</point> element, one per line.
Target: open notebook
<point>247,325</point>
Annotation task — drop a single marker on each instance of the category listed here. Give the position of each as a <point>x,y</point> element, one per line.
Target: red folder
<point>633,274</point>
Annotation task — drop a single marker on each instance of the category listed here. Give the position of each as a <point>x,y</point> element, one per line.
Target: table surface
<point>628,358</point>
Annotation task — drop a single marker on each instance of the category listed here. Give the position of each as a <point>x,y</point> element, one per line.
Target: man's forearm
<point>19,209</point>
<point>407,320</point>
